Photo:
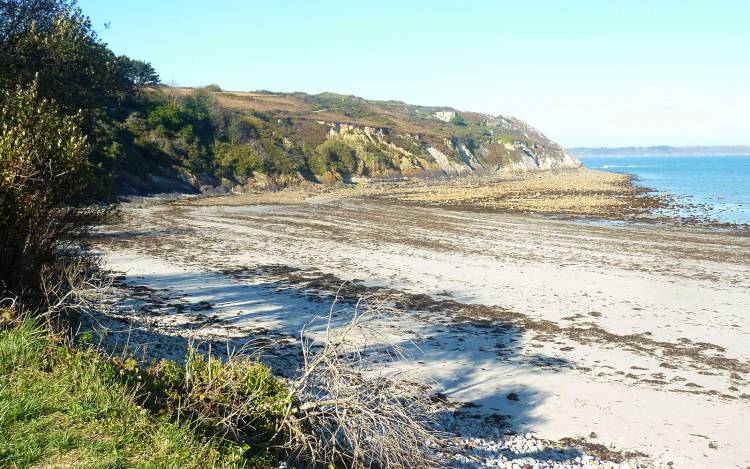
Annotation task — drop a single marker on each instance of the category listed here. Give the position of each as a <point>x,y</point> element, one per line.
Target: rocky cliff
<point>509,145</point>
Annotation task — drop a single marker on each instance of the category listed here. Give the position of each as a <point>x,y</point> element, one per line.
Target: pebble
<point>522,452</point>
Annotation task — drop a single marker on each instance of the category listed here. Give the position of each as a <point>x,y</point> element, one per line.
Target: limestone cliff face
<point>382,151</point>
<point>522,156</point>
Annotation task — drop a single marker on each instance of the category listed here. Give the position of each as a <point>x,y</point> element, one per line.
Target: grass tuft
<point>63,406</point>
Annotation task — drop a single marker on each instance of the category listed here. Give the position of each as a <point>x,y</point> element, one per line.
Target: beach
<point>559,309</point>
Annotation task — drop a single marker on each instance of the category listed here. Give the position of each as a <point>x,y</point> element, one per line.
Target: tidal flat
<point>627,342</point>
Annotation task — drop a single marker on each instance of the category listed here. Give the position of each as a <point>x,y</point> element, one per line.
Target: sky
<point>586,73</point>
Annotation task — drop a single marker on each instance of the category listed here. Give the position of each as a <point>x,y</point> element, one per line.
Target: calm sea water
<point>722,183</point>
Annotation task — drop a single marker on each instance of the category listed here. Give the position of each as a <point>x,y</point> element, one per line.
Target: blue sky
<point>590,73</point>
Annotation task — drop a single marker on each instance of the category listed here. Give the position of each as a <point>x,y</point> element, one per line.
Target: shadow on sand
<point>471,364</point>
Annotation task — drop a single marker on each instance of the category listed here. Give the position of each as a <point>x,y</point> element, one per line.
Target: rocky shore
<point>572,192</point>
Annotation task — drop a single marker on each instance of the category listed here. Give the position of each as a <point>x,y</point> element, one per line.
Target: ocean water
<point>719,184</point>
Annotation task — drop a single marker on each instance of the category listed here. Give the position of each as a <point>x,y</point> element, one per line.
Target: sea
<point>716,187</point>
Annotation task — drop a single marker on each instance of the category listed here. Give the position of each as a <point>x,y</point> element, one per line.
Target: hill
<point>187,139</point>
<point>715,150</point>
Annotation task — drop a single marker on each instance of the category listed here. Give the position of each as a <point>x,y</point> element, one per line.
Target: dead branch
<point>346,410</point>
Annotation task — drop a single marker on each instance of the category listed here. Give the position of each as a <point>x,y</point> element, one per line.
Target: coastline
<point>582,195</point>
<point>707,190</point>
<point>592,327</point>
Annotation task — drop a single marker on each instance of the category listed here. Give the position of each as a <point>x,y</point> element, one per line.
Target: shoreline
<point>617,200</point>
<point>694,201</point>
<point>590,326</point>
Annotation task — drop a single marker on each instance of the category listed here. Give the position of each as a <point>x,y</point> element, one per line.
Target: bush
<point>238,398</point>
<point>46,184</point>
<point>340,155</point>
<point>317,163</point>
<point>458,120</point>
<point>240,160</point>
<point>184,132</point>
<point>168,117</point>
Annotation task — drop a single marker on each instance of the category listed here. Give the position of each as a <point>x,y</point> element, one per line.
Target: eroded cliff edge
<point>265,139</point>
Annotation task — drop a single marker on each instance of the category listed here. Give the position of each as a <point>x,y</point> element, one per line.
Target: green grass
<point>63,406</point>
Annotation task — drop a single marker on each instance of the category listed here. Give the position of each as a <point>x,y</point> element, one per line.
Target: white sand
<point>667,284</point>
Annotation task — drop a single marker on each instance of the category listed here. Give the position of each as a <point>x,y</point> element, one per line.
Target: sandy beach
<point>628,340</point>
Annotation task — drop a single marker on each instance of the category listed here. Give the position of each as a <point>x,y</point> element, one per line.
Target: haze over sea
<point>721,184</point>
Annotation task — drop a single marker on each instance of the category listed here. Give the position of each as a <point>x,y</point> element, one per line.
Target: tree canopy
<point>59,86</point>
<point>52,43</point>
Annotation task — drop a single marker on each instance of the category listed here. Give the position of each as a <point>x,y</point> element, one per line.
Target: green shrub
<point>317,163</point>
<point>167,117</point>
<point>184,132</point>
<point>240,160</point>
<point>240,398</point>
<point>339,155</point>
<point>46,184</point>
<point>458,120</point>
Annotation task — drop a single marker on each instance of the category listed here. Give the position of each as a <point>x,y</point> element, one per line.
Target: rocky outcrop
<point>535,157</point>
<point>381,151</point>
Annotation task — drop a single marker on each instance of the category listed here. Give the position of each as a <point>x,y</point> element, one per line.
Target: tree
<point>17,16</point>
<point>457,120</point>
<point>46,187</point>
<point>59,50</point>
<point>136,72</point>
<point>53,43</point>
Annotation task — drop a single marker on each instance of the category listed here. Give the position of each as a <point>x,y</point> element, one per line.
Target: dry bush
<point>74,285</point>
<point>69,288</point>
<point>348,412</point>
<point>342,409</point>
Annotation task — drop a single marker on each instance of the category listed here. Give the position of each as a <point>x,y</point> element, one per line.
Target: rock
<point>202,306</point>
<point>512,396</point>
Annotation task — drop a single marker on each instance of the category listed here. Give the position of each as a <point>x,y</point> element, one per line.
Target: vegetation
<point>63,405</point>
<point>66,121</point>
<point>335,155</point>
<point>458,120</point>
<point>349,106</point>
<point>47,188</point>
<point>63,401</point>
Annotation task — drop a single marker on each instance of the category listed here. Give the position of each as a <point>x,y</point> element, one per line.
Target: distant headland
<point>717,150</point>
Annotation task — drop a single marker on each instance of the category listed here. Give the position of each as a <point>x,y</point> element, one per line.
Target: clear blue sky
<point>599,72</point>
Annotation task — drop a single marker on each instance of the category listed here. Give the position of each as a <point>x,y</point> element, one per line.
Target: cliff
<point>264,138</point>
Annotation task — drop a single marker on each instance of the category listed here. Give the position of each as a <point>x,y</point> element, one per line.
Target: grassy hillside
<point>185,138</point>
